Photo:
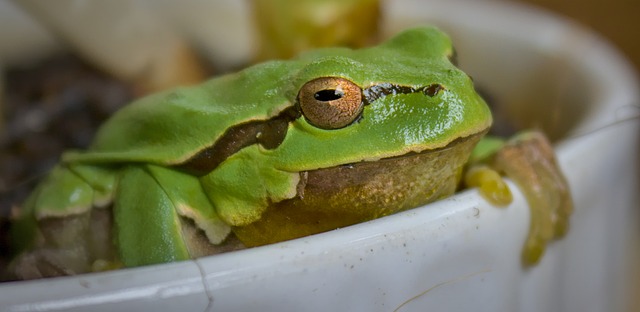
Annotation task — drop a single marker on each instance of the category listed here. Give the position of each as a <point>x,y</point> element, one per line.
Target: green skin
<point>134,159</point>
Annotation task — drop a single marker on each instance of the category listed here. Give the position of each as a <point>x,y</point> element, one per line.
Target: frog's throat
<point>270,133</point>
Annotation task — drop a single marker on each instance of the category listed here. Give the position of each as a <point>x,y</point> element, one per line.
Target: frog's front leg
<point>149,207</point>
<point>529,160</point>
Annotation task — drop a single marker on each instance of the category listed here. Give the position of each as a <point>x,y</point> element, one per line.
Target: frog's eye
<point>330,102</point>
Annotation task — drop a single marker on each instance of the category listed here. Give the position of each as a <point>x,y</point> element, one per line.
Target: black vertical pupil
<point>328,95</point>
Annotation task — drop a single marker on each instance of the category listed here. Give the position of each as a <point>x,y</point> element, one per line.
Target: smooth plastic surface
<point>459,254</point>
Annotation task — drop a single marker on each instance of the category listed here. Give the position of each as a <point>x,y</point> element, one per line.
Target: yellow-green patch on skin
<point>490,185</point>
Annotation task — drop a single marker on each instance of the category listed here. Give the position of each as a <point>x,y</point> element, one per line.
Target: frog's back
<point>171,126</point>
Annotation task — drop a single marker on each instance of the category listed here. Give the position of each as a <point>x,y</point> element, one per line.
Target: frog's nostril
<point>433,89</point>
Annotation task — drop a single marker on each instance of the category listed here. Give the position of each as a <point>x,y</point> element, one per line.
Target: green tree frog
<point>277,151</point>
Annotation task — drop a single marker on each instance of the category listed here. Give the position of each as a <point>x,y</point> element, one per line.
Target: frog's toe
<point>489,183</point>
<point>533,250</point>
<point>48,262</point>
<point>101,265</point>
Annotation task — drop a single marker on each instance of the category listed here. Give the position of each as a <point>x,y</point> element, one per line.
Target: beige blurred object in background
<point>286,28</point>
<point>123,38</point>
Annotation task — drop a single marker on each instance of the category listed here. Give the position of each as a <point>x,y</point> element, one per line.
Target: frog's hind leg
<point>54,234</point>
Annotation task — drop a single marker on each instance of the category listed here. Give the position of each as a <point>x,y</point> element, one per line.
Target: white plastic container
<point>459,254</point>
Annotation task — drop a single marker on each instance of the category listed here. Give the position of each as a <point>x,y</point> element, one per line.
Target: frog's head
<point>399,97</point>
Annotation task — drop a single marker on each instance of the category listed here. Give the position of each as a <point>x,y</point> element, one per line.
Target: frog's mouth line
<point>271,133</point>
<point>473,137</point>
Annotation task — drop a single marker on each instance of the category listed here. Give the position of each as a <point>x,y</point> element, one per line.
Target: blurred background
<point>617,20</point>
